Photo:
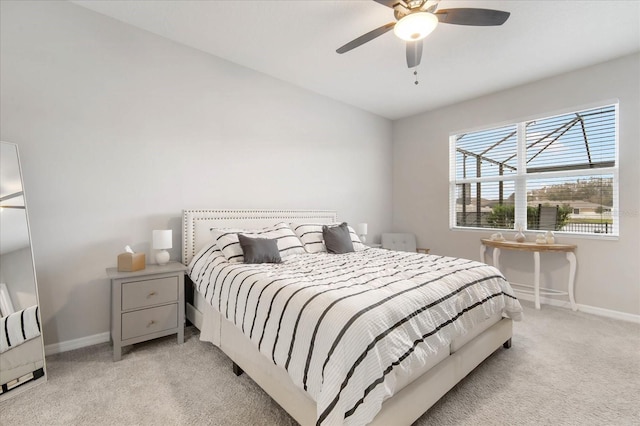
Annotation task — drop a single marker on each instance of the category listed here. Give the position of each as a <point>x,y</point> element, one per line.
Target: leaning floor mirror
<point>21,345</point>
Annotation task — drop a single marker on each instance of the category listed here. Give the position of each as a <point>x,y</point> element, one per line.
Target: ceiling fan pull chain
<point>415,72</point>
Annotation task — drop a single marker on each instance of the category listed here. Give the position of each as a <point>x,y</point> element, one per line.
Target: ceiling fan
<point>416,19</point>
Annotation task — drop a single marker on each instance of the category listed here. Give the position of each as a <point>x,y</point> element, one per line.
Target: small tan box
<point>129,262</point>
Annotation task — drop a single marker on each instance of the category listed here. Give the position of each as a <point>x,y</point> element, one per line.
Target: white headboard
<point>197,224</point>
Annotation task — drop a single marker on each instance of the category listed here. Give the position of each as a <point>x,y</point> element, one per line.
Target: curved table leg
<point>483,250</point>
<point>496,257</point>
<point>536,278</point>
<point>571,257</point>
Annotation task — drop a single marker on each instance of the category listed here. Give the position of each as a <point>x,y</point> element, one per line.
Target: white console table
<point>535,248</point>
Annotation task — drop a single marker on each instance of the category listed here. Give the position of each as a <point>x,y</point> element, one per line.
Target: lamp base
<point>162,257</point>
<point>363,238</point>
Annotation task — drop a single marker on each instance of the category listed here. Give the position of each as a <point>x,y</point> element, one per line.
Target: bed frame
<point>417,394</point>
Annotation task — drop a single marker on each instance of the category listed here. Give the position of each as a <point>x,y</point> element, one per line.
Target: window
<point>554,173</point>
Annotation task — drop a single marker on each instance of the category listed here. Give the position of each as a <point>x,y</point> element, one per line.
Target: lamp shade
<point>162,239</point>
<point>361,229</point>
<point>415,26</point>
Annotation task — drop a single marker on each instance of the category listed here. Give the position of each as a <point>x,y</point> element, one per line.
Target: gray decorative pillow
<point>337,238</point>
<point>259,250</point>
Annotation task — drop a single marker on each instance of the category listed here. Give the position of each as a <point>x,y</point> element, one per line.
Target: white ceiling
<point>295,41</point>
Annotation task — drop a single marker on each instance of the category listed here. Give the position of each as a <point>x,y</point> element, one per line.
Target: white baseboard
<point>582,308</point>
<point>69,345</point>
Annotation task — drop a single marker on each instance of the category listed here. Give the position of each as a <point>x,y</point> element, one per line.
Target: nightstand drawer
<point>147,321</point>
<point>138,294</point>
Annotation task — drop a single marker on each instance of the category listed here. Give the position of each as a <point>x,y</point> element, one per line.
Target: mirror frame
<point>26,381</point>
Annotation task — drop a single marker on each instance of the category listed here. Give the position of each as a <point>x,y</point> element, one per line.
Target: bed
<point>397,331</point>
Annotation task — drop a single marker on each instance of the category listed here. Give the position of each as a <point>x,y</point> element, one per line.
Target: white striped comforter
<point>19,327</point>
<point>344,325</point>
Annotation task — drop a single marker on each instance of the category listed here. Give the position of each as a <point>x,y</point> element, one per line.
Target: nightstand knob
<point>151,323</point>
<point>153,293</point>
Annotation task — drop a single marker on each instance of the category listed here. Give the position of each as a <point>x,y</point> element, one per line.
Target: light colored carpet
<point>564,368</point>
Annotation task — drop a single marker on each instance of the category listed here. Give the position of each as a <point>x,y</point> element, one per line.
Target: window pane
<point>493,207</point>
<point>584,204</point>
<point>581,140</point>
<point>486,153</point>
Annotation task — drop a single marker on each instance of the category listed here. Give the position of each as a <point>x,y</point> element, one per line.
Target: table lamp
<point>162,241</point>
<point>361,230</point>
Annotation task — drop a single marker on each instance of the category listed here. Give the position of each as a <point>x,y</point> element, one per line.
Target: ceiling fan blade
<point>471,16</point>
<point>414,53</point>
<point>366,37</point>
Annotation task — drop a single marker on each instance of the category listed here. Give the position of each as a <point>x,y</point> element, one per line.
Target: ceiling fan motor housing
<point>404,8</point>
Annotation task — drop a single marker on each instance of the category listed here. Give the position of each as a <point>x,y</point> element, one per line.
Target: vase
<point>520,238</point>
<point>549,237</point>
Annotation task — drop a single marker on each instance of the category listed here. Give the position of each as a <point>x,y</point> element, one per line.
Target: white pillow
<point>311,236</point>
<point>227,240</point>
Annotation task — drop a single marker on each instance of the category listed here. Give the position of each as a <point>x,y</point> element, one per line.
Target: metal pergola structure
<point>554,134</point>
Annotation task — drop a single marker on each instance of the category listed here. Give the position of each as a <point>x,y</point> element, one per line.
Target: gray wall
<point>119,130</point>
<point>608,273</point>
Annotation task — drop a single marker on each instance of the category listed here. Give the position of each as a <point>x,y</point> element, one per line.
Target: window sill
<point>531,235</point>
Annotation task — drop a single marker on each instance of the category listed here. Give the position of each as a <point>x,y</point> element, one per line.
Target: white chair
<point>401,242</point>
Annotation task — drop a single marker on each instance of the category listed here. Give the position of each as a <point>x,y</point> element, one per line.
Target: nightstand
<point>146,304</point>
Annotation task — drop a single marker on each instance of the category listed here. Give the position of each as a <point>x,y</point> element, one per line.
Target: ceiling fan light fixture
<point>415,26</point>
